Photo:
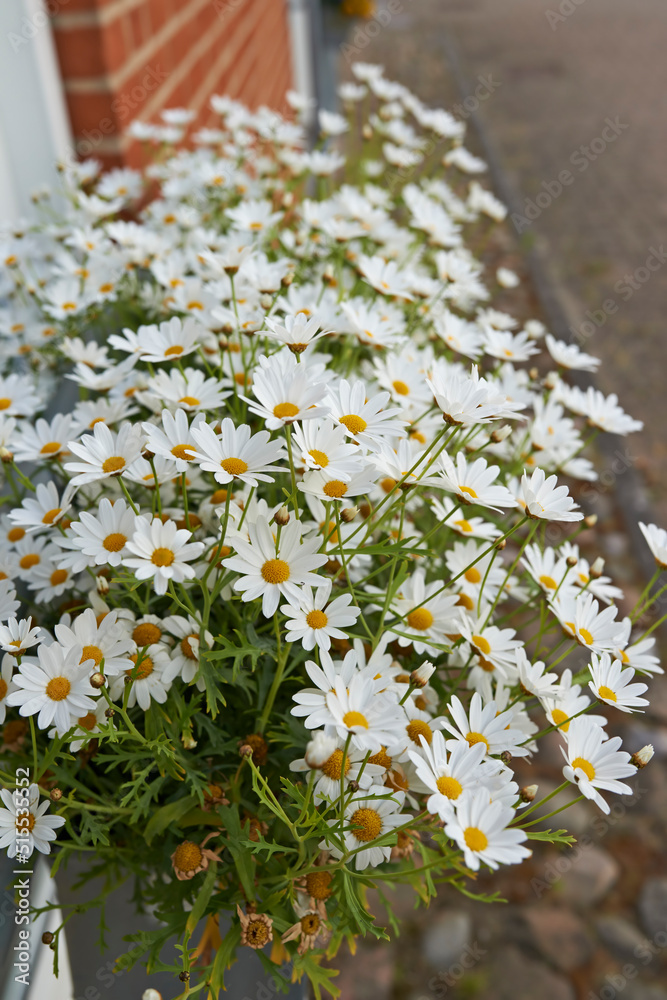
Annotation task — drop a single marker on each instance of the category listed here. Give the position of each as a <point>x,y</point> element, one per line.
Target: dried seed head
<point>56,794</point>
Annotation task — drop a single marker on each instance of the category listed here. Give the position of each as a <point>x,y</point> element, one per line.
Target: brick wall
<point>127,59</point>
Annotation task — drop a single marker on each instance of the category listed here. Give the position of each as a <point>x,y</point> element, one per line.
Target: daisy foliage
<point>292,567</point>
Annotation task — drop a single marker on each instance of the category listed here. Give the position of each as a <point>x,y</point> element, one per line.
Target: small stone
<point>620,937</point>
<point>447,938</point>
<point>514,976</point>
<point>593,874</point>
<point>653,906</point>
<point>560,936</point>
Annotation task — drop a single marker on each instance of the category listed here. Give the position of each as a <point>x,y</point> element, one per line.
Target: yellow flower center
<point>416,728</point>
<point>449,787</point>
<point>366,824</point>
<point>381,758</point>
<point>316,619</point>
<point>88,721</point>
<point>351,719</point>
<point>29,560</point>
<point>317,884</point>
<point>189,400</point>
<point>388,484</point>
<point>586,636</point>
<point>22,825</point>
<point>464,525</point>
<point>162,557</point>
<point>475,838</point>
<point>606,692</point>
<point>141,672</point>
<point>58,688</point>
<point>469,490</point>
<point>234,466</point>
<point>186,647</point>
<point>187,856</point>
<point>482,644</point>
<point>474,738</point>
<point>57,577</point>
<point>3,687</point>
<point>585,766</point>
<point>15,534</point>
<point>319,457</point>
<point>181,451</point>
<point>92,653</point>
<point>50,448</point>
<point>51,515</point>
<point>114,542</point>
<point>175,349</point>
<point>401,388</point>
<point>420,619</point>
<point>146,634</point>
<point>548,582</point>
<point>354,423</point>
<point>285,410</point>
<point>275,571</point>
<point>472,575</point>
<point>310,924</point>
<point>335,489</point>
<point>113,464</point>
<point>334,765</point>
<point>559,717</point>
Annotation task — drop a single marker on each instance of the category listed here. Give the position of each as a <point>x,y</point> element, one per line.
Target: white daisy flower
<point>7,685</point>
<point>286,391</point>
<point>107,644</point>
<point>161,551</point>
<point>481,829</point>
<point>322,446</point>
<point>174,439</point>
<point>370,817</point>
<point>656,539</point>
<point>17,636</point>
<point>296,331</point>
<point>104,453</point>
<point>185,654</point>
<point>611,683</point>
<point>370,719</point>
<point>542,498</point>
<point>268,569</point>
<point>365,419</point>
<point>8,602</point>
<point>569,356</point>
<point>45,440</point>
<point>465,399</point>
<point>189,390</point>
<point>98,539</point>
<point>46,508</point>
<point>23,822</point>
<point>313,620</point>
<point>581,618</point>
<point>595,762</point>
<point>475,482</point>
<point>423,615</point>
<point>54,687</point>
<point>170,340</point>
<point>357,768</point>
<point>148,675</point>
<point>483,724</point>
<point>235,453</point>
<point>448,776</point>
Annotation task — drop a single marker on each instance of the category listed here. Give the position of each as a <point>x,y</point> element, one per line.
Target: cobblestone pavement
<point>588,922</point>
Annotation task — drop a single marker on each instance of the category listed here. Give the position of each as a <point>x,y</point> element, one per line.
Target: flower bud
<point>265,301</point>
<point>6,455</point>
<point>348,514</point>
<point>551,380</point>
<point>572,561</point>
<point>47,937</point>
<point>110,712</point>
<point>422,675</point>
<point>534,374</point>
<point>500,544</point>
<point>367,131</point>
<point>287,280</point>
<point>282,516</point>
<point>642,757</point>
<point>500,433</point>
<point>151,994</point>
<point>528,793</point>
<point>597,568</point>
<point>56,794</point>
<point>102,585</point>
<point>97,680</point>
<point>591,520</point>
<point>506,757</point>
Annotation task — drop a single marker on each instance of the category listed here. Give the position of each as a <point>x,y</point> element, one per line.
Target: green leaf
<point>552,836</point>
<point>225,957</point>
<point>170,813</point>
<point>201,902</point>
<point>320,978</point>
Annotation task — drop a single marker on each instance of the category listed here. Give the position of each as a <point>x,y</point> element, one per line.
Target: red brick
<point>80,52</point>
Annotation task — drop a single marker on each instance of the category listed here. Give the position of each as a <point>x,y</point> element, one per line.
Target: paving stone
<point>368,975</point>
<point>591,877</point>
<point>447,938</point>
<point>653,906</point>
<point>560,936</point>
<point>512,975</point>
<point>644,991</point>
<point>623,939</point>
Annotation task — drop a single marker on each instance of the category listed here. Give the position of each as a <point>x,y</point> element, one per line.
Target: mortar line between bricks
<point>629,488</point>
